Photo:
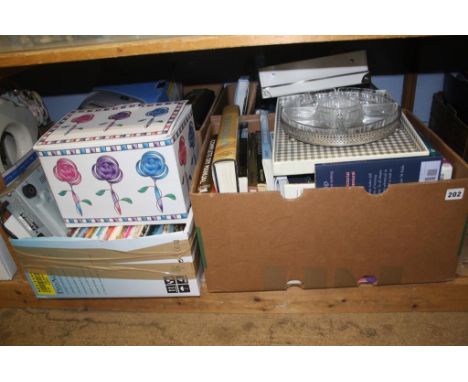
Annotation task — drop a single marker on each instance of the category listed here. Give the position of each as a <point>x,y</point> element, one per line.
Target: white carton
<point>165,265</point>
<point>7,264</point>
<point>121,165</point>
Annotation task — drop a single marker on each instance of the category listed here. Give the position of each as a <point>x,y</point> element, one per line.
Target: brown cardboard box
<point>331,237</point>
<point>218,90</point>
<point>224,96</point>
<point>446,123</point>
<point>227,98</point>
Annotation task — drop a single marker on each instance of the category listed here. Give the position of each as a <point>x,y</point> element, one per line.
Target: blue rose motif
<point>153,165</point>
<point>157,112</point>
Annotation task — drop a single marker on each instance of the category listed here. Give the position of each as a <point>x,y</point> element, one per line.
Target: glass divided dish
<point>340,117</point>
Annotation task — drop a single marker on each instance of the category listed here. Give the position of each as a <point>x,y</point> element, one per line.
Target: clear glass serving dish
<point>340,117</point>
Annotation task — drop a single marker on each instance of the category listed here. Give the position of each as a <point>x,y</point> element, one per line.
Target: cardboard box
<point>218,90</point>
<point>333,237</point>
<point>127,164</point>
<point>165,265</point>
<point>446,123</point>
<point>226,98</point>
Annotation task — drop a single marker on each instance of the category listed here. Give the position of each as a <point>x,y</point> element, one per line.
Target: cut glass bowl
<point>341,117</point>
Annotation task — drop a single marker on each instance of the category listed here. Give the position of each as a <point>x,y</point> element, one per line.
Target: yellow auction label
<point>42,284</point>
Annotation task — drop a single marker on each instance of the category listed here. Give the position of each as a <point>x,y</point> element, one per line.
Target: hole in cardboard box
<point>367,280</point>
<point>294,283</point>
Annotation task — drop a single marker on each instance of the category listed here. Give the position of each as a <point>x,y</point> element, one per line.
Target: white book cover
<point>293,157</point>
<point>241,95</point>
<point>266,151</point>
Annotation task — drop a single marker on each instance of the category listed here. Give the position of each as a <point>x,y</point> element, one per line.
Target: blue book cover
<point>376,175</point>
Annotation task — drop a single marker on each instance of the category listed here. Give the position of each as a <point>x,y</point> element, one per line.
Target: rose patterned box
<point>129,163</point>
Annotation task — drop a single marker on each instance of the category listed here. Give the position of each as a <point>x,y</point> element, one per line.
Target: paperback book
<point>376,175</point>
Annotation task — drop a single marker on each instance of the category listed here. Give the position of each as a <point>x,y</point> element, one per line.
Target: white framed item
<point>129,164</point>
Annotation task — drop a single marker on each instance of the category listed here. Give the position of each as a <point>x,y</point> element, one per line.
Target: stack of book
<point>237,159</point>
<point>123,232</point>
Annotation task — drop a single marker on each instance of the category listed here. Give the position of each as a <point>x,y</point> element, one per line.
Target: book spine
<point>252,163</point>
<point>242,159</point>
<point>261,181</point>
<point>376,175</point>
<point>226,145</point>
<point>226,148</point>
<point>206,181</point>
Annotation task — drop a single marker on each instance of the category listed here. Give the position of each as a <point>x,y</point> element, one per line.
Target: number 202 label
<point>454,194</point>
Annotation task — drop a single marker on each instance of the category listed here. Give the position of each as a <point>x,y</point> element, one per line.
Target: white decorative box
<point>121,165</point>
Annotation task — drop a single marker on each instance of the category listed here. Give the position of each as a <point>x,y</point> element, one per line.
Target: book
<point>116,233</point>
<point>224,168</point>
<point>291,187</point>
<point>267,164</point>
<point>206,180</point>
<point>242,153</point>
<point>291,157</point>
<point>446,170</point>
<point>252,163</point>
<point>241,94</point>
<point>376,175</point>
<point>261,182</point>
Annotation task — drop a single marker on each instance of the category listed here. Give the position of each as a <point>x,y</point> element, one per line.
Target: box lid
<point>130,123</point>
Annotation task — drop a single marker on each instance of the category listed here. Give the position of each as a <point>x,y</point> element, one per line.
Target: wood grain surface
<point>162,44</point>
<point>449,296</point>
<point>62,327</point>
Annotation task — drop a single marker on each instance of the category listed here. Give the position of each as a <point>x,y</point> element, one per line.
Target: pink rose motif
<point>182,151</point>
<point>77,121</point>
<point>83,118</point>
<point>66,171</point>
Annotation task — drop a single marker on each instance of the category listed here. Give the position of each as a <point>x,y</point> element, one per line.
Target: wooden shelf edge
<point>163,44</point>
<point>438,297</point>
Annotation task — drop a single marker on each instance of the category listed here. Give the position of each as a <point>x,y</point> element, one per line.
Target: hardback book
<point>446,169</point>
<point>291,157</point>
<point>266,151</point>
<point>261,181</point>
<point>206,180</point>
<point>252,163</point>
<point>376,175</point>
<point>242,152</point>
<point>241,95</point>
<point>224,160</point>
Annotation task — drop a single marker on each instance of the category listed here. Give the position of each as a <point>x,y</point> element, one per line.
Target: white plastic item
<point>315,74</point>
<point>18,132</point>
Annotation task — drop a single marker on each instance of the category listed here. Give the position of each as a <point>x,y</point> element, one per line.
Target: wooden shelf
<point>447,296</point>
<point>158,44</point>
<point>439,297</point>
